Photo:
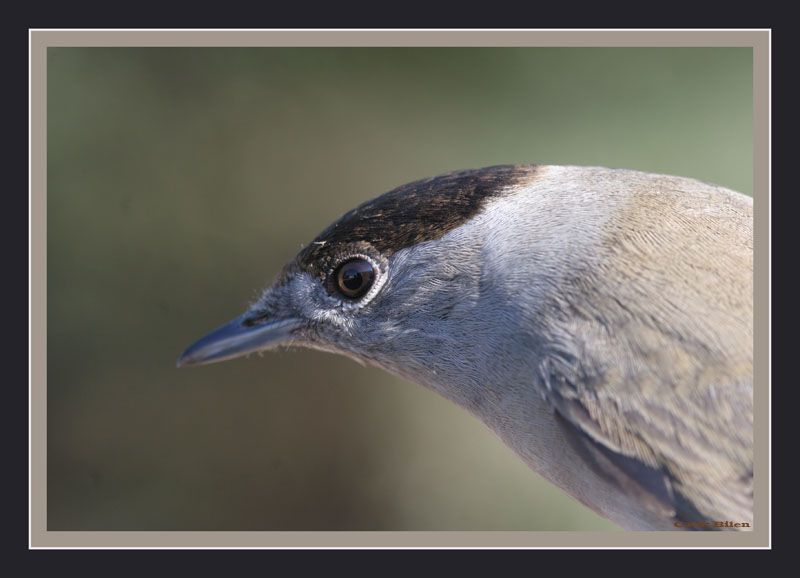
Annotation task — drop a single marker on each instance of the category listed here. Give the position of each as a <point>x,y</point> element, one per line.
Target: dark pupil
<point>352,278</point>
<point>355,278</point>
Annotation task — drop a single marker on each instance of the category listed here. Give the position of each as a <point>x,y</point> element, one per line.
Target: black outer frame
<point>330,15</point>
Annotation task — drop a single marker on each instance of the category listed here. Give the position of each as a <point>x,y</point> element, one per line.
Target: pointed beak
<point>241,336</point>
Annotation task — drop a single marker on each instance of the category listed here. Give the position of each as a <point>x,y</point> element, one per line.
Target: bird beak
<point>245,334</point>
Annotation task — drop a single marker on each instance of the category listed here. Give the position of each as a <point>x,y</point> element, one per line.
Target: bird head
<point>394,282</point>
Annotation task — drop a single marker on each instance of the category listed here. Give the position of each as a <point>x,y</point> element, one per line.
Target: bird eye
<point>354,278</point>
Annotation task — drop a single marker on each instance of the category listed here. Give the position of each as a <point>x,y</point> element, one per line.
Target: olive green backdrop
<point>180,180</point>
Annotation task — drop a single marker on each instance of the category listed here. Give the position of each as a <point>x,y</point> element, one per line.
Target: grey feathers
<point>649,347</point>
<point>599,321</point>
<point>622,299</point>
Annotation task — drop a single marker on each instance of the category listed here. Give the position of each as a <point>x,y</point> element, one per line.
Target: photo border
<point>41,39</point>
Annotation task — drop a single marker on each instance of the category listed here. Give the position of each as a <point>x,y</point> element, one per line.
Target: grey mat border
<point>40,39</point>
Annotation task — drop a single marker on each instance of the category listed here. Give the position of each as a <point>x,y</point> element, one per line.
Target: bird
<point>598,320</point>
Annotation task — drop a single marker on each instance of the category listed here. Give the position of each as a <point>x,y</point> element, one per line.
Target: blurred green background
<point>180,180</point>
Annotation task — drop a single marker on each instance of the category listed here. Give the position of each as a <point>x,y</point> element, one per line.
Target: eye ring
<point>354,277</point>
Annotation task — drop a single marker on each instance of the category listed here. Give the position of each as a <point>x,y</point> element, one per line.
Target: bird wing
<point>650,357</point>
<point>680,440</point>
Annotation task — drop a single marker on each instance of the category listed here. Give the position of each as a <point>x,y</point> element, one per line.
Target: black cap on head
<point>412,213</point>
